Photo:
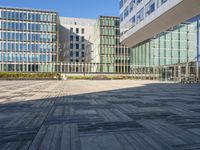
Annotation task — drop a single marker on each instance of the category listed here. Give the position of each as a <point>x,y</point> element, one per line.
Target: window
<point>29,16</point>
<point>17,47</point>
<point>44,58</point>
<point>71,29</point>
<point>54,28</point>
<point>131,6</point>
<point>9,15</point>
<point>126,12</point>
<point>77,46</point>
<point>125,1</point>
<point>140,15</point>
<point>77,30</point>
<point>82,46</point>
<point>82,39</point>
<point>24,16</point>
<point>82,54</point>
<point>77,38</point>
<point>54,18</point>
<point>121,17</point>
<point>132,20</point>
<point>121,3</point>
<point>37,17</point>
<point>71,54</point>
<point>54,38</point>
<point>82,31</point>
<point>77,54</point>
<point>161,2</point>
<point>137,1</point>
<point>71,46</point>
<point>16,15</point>
<point>150,7</point>
<point>71,38</point>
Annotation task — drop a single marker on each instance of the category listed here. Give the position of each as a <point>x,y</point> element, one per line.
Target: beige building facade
<point>76,39</point>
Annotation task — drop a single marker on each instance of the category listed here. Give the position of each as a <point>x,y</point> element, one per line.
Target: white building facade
<point>144,19</point>
<point>163,36</point>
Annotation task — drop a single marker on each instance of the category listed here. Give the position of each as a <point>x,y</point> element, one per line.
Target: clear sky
<point>70,8</point>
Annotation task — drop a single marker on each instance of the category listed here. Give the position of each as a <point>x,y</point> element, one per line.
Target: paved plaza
<point>99,115</point>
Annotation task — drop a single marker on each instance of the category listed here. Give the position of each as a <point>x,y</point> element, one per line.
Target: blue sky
<point>70,8</point>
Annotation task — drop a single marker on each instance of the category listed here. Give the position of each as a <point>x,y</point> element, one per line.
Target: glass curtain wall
<point>169,56</point>
<point>28,40</point>
<point>113,56</point>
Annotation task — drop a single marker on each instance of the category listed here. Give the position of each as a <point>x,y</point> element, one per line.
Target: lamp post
<point>198,51</point>
<point>197,29</point>
<point>34,55</point>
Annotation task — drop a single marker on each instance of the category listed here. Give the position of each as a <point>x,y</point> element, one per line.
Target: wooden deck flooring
<point>99,115</point>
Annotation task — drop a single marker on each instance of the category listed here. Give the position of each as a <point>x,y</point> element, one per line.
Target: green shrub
<point>79,77</point>
<point>100,77</point>
<point>16,75</point>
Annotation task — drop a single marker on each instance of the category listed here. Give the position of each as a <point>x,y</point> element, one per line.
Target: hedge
<point>100,77</point>
<point>16,75</point>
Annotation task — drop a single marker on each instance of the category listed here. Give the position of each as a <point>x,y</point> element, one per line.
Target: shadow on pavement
<point>155,116</point>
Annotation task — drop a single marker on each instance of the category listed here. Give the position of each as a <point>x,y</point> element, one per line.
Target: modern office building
<point>28,40</point>
<point>171,55</point>
<point>143,19</point>
<point>40,41</point>
<point>90,45</point>
<point>111,56</point>
<point>163,45</point>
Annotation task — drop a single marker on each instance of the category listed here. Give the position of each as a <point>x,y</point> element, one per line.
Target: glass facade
<point>112,56</point>
<point>28,40</point>
<point>169,56</point>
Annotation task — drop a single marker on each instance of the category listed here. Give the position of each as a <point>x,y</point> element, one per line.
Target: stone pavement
<point>99,115</point>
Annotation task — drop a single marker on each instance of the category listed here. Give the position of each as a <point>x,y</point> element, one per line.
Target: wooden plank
<point>19,145</point>
<point>59,137</point>
<point>101,142</point>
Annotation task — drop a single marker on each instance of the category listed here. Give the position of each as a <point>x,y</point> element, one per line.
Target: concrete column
<point>186,70</point>
<point>174,73</point>
<point>197,69</point>
<point>198,49</point>
<point>166,70</point>
<point>179,73</point>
